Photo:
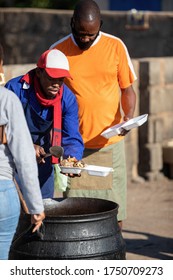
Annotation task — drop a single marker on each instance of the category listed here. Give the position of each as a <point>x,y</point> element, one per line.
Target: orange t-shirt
<point>97,75</point>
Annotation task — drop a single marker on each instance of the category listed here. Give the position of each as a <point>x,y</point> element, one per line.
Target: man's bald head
<point>86,23</point>
<point>86,10</point>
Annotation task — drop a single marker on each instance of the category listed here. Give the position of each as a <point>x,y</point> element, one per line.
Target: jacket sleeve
<point>71,138</point>
<point>23,153</point>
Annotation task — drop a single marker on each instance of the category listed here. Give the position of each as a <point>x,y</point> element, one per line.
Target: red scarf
<point>57,110</point>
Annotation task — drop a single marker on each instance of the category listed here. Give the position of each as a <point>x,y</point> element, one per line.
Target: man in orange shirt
<point>99,65</point>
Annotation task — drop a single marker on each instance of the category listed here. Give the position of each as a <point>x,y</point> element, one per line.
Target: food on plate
<point>72,162</point>
<point>79,164</point>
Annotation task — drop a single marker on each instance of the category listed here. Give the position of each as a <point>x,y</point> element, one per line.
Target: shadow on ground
<point>148,245</point>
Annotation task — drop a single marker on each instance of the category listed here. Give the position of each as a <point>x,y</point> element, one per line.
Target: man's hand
<point>40,153</point>
<point>37,219</point>
<point>124,131</point>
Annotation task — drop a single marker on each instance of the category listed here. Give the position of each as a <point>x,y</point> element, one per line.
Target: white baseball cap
<point>55,64</point>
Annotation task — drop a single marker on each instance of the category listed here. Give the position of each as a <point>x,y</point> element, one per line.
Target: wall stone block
<point>150,159</point>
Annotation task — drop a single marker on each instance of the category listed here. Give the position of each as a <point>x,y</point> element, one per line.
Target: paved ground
<point>148,230</point>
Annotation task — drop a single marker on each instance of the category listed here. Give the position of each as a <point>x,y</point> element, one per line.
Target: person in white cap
<point>51,112</point>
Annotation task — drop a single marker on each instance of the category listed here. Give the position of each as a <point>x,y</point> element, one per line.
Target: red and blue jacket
<point>40,122</point>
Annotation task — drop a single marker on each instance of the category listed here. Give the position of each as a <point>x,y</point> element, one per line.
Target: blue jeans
<point>9,215</point>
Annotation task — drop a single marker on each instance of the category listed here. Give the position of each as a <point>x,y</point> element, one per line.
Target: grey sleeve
<point>22,149</point>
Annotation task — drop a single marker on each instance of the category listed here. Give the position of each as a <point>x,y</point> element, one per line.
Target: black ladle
<point>56,151</point>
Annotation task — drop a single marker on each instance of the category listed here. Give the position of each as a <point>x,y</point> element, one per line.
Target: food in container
<point>73,166</point>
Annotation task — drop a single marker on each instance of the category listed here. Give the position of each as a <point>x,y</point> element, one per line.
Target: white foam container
<point>95,170</point>
<point>117,129</point>
<point>71,170</point>
<point>92,170</point>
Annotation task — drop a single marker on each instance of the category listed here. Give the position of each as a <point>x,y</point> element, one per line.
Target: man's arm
<point>128,102</point>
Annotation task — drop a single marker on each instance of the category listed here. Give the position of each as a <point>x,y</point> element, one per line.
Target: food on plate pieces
<point>79,164</point>
<point>72,162</point>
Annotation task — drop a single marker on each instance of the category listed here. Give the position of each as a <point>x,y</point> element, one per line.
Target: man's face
<point>85,32</point>
<point>50,86</point>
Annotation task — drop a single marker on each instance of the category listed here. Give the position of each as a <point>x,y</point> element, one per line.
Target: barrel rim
<point>102,215</point>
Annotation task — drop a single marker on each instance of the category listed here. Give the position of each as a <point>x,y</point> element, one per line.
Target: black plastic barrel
<point>77,228</point>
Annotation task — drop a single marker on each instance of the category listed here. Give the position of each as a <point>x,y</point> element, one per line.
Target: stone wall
<point>26,33</point>
<point>156,99</point>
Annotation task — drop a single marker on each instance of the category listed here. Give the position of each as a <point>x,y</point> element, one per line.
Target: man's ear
<point>38,72</point>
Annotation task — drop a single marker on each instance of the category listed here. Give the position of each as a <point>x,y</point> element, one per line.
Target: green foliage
<point>47,4</point>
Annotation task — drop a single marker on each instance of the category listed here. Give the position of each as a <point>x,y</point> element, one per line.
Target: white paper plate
<point>92,170</point>
<point>132,123</point>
